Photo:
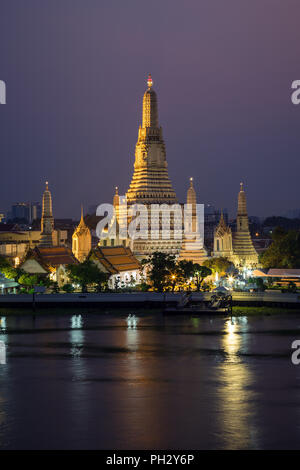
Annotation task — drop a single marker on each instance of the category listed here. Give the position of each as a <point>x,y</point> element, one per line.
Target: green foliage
<point>284,252</point>
<point>165,274</point>
<point>218,264</point>
<point>68,288</point>
<point>4,263</point>
<point>143,287</point>
<point>86,274</point>
<point>200,273</point>
<point>54,287</point>
<point>28,280</point>
<point>159,267</point>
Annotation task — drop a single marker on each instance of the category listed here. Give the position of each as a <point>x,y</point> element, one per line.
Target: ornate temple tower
<point>150,183</point>
<point>192,247</point>
<point>236,246</point>
<point>223,240</point>
<point>243,248</point>
<point>47,221</point>
<point>81,240</point>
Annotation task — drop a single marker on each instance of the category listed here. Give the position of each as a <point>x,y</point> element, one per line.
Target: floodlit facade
<point>236,246</point>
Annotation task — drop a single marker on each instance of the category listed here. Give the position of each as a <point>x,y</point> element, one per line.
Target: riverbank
<point>144,300</point>
<point>237,311</point>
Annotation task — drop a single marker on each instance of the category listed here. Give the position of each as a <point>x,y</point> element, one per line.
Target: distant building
<point>15,242</point>
<point>21,212</point>
<point>35,211</point>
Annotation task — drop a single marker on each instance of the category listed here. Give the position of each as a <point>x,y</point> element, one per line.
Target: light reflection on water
<point>95,381</point>
<point>235,393</point>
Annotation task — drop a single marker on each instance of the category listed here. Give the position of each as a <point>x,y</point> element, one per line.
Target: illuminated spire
<point>150,113</point>
<point>242,205</point>
<point>81,239</point>
<point>149,81</point>
<point>191,193</point>
<point>47,221</point>
<point>116,200</point>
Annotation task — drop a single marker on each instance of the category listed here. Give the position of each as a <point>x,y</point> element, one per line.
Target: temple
<point>193,244</point>
<point>47,221</point>
<point>150,183</point>
<point>81,240</point>
<point>237,246</point>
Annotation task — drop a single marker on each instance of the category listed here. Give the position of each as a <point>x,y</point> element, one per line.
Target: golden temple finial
<point>149,81</point>
<point>47,189</point>
<point>117,191</point>
<point>241,186</point>
<point>222,220</point>
<point>81,218</point>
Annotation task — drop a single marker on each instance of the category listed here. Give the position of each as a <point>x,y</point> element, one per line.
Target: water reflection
<point>76,336</point>
<point>235,394</point>
<point>2,324</point>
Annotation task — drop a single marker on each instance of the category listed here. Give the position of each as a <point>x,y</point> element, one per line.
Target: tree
<point>200,273</point>
<point>8,270</point>
<point>85,274</point>
<point>218,264</point>
<point>68,288</point>
<point>28,280</point>
<point>54,287</point>
<point>159,267</point>
<point>284,252</point>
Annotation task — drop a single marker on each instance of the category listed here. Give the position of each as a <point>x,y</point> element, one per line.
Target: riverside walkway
<point>143,299</point>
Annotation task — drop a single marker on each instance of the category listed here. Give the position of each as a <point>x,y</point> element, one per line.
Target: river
<point>91,381</point>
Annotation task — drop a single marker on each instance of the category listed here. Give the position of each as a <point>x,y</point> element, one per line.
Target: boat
<point>219,303</point>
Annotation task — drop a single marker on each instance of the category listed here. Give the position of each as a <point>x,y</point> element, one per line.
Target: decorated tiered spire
<point>191,193</point>
<point>150,182</point>
<point>242,205</point>
<point>192,247</point>
<point>81,239</point>
<point>242,243</point>
<point>47,222</point>
<point>150,113</point>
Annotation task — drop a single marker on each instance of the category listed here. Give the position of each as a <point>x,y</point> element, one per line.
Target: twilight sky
<point>76,72</point>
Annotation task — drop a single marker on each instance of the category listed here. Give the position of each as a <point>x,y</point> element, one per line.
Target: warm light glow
<point>17,261</point>
<point>230,279</point>
<point>149,81</point>
<point>173,277</point>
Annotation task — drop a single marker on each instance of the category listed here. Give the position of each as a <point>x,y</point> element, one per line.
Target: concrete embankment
<point>143,299</point>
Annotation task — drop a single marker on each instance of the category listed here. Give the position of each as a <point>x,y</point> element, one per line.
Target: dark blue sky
<point>76,72</point>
